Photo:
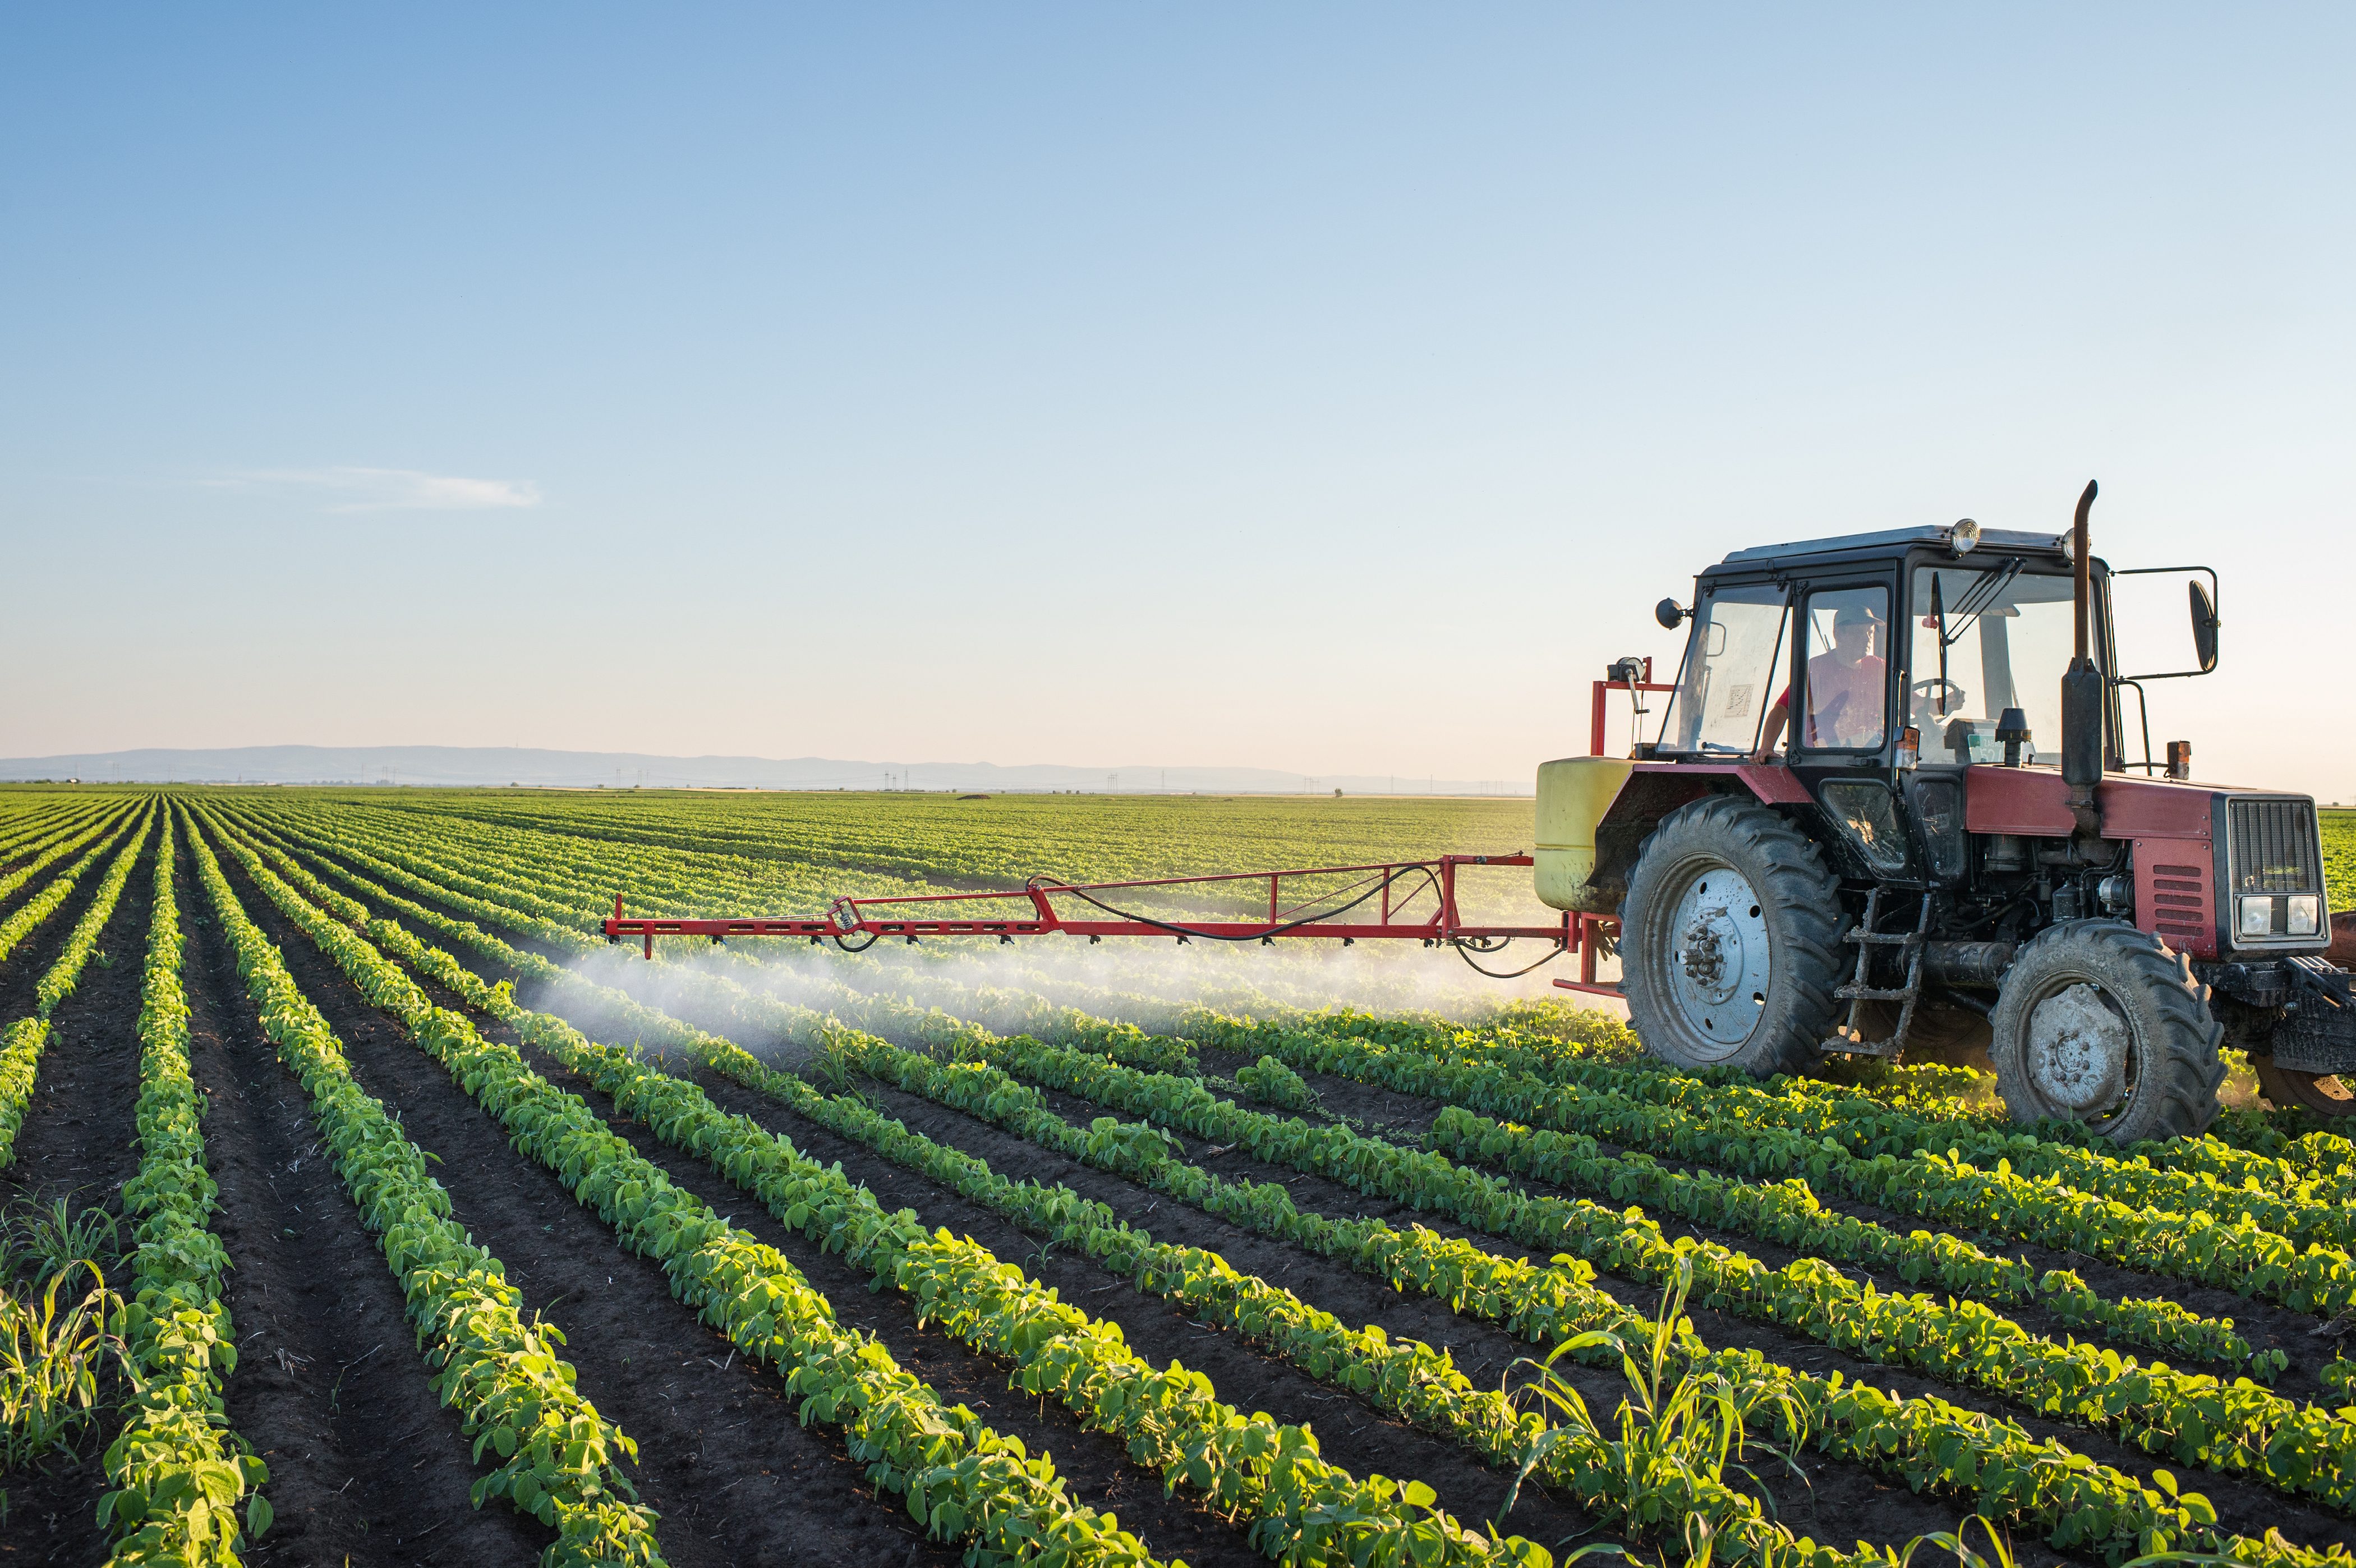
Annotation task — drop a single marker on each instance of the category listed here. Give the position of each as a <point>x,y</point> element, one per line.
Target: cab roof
<point>1890,541</point>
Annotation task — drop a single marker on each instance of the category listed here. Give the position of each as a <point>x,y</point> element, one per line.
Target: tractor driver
<point>1847,685</point>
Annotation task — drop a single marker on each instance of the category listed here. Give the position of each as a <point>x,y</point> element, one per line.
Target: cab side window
<point>1846,679</point>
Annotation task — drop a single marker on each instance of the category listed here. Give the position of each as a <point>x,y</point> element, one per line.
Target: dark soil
<point>1350,1433</point>
<point>722,1455</point>
<point>1846,1502</point>
<point>31,886</point>
<point>21,972</point>
<point>77,1143</point>
<point>1837,1502</point>
<point>329,1388</point>
<point>2241,1503</point>
<point>2266,1324</point>
<point>1358,1438</point>
<point>79,1140</point>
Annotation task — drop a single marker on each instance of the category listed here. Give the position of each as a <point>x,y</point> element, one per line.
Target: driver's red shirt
<point>1844,700</point>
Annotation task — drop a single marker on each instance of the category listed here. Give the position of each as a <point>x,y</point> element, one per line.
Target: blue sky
<point>1322,388</point>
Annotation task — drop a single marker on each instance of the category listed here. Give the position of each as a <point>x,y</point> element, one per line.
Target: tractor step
<point>1849,1038</point>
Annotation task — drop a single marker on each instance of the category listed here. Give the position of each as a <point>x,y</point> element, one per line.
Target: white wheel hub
<point>2078,1049</point>
<point>1718,959</point>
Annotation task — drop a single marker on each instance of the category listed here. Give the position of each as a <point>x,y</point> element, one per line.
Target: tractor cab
<point>1876,667</point>
<point>1889,807</point>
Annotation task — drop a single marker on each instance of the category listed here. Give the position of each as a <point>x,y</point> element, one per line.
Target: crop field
<point>363,1205</point>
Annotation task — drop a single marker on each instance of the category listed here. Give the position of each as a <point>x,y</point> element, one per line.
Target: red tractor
<point>1889,809</point>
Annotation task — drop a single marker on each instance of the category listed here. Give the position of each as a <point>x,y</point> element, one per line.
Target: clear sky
<point>1333,389</point>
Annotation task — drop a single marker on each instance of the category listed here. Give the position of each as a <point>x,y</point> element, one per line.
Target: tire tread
<point>1795,881</point>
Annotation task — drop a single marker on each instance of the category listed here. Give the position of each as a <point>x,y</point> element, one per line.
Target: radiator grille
<point>2272,846</point>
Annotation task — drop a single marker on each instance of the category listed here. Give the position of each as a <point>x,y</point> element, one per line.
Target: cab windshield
<point>1730,676</point>
<point>1987,639</point>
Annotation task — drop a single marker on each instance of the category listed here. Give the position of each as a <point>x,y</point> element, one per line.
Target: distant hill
<point>477,765</point>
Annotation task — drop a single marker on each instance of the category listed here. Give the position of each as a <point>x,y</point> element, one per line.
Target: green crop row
<point>1959,1341</point>
<point>1789,1213</point>
<point>1929,1442</point>
<point>1963,1449</point>
<point>30,837</point>
<point>30,916</point>
<point>1009,837</point>
<point>72,838</point>
<point>25,818</point>
<point>1402,1375</point>
<point>178,1472</point>
<point>1308,1510</point>
<point>2238,1428</point>
<point>554,879</point>
<point>1124,1043</point>
<point>22,1042</point>
<point>960,1477</point>
<point>1724,1127</point>
<point>558,1457</point>
<point>2305,1202</point>
<point>2196,1419</point>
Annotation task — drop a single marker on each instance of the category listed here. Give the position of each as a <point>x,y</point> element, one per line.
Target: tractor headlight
<point>1964,537</point>
<point>2306,914</point>
<point>2257,916</point>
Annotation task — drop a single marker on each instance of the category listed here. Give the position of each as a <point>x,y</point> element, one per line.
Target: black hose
<point>1461,946</point>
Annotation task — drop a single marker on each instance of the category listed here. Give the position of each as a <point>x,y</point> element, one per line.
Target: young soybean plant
<point>1272,1083</point>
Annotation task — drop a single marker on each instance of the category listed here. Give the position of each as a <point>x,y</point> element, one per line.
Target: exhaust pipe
<point>2081,690</point>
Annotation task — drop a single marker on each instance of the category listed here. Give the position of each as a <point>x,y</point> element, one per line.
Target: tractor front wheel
<point>2325,1094</point>
<point>2099,1022</point>
<point>1730,933</point>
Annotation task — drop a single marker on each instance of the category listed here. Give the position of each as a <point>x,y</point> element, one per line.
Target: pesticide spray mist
<point>1145,982</point>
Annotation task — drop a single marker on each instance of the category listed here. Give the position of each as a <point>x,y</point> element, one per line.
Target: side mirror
<point>1670,617</point>
<point>2204,627</point>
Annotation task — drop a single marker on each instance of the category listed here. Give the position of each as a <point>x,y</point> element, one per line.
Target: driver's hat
<point>1856,615</point>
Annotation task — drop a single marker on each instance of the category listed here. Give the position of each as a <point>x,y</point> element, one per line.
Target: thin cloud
<point>390,490</point>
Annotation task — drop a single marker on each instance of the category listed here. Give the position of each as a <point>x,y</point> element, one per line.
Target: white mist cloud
<point>390,490</point>
<point>1139,981</point>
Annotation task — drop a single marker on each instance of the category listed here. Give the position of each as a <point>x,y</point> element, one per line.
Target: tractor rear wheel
<point>2325,1094</point>
<point>2099,1022</point>
<point>1729,936</point>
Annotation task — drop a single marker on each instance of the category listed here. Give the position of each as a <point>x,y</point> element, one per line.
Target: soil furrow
<point>1156,1331</point>
<point>2244,1503</point>
<point>1839,1502</point>
<point>21,971</point>
<point>79,1140</point>
<point>329,1387</point>
<point>722,1453</point>
<point>2266,1324</point>
<point>77,1143</point>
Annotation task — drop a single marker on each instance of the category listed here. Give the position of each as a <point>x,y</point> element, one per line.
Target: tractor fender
<point>1654,789</point>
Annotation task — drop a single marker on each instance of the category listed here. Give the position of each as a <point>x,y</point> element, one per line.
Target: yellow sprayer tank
<point>1573,795</point>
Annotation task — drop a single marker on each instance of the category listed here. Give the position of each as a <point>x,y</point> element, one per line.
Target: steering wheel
<point>1937,695</point>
